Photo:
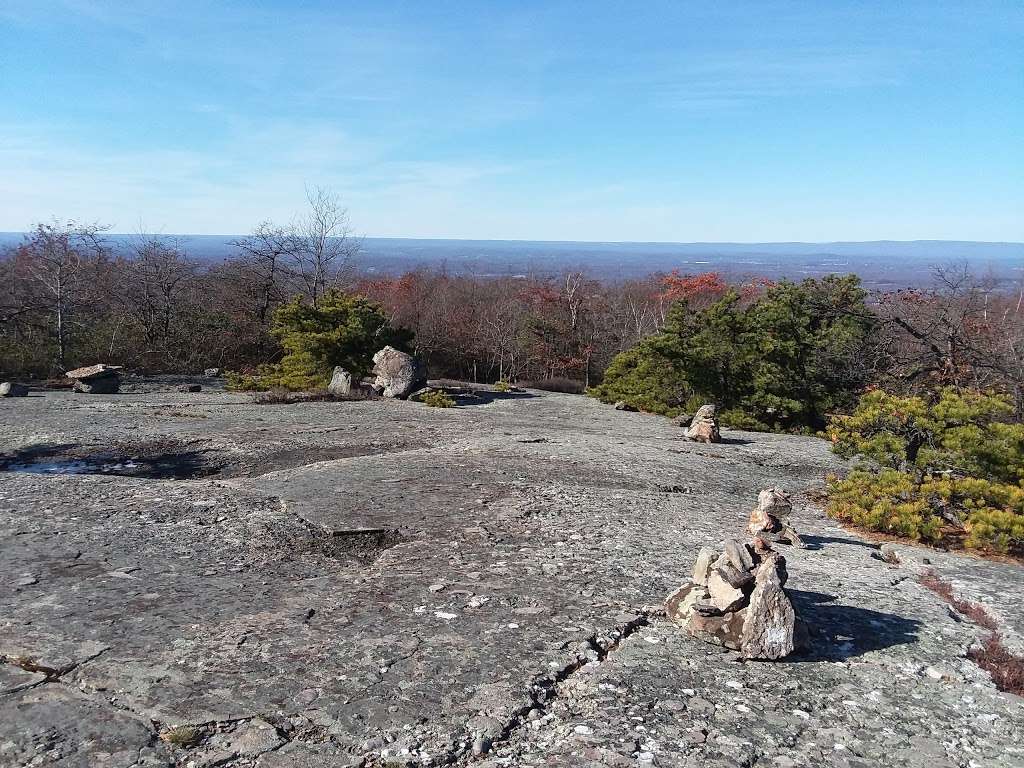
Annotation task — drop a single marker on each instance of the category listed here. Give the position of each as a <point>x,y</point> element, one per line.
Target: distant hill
<point>881,263</point>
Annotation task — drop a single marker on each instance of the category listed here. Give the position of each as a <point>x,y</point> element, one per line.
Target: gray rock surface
<point>262,574</point>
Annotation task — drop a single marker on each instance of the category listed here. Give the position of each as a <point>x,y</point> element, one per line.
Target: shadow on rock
<point>818,542</point>
<point>70,459</point>
<point>840,632</point>
<point>484,397</point>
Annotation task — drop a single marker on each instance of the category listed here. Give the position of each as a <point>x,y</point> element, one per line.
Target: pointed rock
<point>738,554</point>
<point>702,567</point>
<point>770,628</point>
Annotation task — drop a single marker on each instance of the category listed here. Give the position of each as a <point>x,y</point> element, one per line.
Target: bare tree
<point>264,256</point>
<point>160,277</point>
<point>57,255</point>
<point>962,332</point>
<point>322,249</point>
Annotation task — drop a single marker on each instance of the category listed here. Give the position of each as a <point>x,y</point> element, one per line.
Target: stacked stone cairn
<point>704,426</point>
<point>99,379</point>
<point>770,518</point>
<point>737,599</point>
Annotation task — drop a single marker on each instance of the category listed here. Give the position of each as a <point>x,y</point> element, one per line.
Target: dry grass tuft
<point>182,736</point>
<point>1004,667</point>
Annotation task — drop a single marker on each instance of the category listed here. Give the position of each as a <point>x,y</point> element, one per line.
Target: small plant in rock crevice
<point>182,736</point>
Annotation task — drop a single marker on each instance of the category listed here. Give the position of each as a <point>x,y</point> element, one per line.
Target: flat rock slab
<point>415,583</point>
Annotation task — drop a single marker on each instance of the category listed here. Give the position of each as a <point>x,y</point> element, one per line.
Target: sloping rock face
<point>492,587</point>
<point>398,374</point>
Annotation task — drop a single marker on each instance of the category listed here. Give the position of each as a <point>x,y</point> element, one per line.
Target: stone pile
<point>99,379</point>
<point>704,426</point>
<point>770,518</point>
<point>736,599</point>
<point>398,374</point>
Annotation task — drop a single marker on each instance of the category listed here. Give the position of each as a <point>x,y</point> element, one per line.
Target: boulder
<point>103,385</point>
<point>704,412</point>
<point>211,372</point>
<point>98,371</point>
<point>725,630</point>
<point>735,576</point>
<point>398,374</point>
<point>771,629</point>
<point>12,389</point>
<point>704,426</point>
<point>341,382</point>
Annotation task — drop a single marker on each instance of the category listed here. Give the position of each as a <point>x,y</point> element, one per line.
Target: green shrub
<point>782,361</point>
<point>343,329</point>
<point>437,400</point>
<point>942,472</point>
<point>502,386</point>
<point>958,433</point>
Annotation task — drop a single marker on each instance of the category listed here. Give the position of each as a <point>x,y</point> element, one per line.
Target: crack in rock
<point>29,664</point>
<point>545,689</point>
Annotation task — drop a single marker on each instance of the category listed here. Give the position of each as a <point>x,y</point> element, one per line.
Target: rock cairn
<point>397,374</point>
<point>736,599</point>
<point>99,379</point>
<point>770,518</point>
<point>704,426</point>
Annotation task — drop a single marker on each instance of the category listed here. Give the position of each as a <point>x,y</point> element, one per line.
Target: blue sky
<point>647,121</point>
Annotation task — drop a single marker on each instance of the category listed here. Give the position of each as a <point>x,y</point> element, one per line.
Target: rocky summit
<point>195,579</point>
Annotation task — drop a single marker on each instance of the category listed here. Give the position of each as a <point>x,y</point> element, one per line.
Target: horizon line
<point>577,242</point>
